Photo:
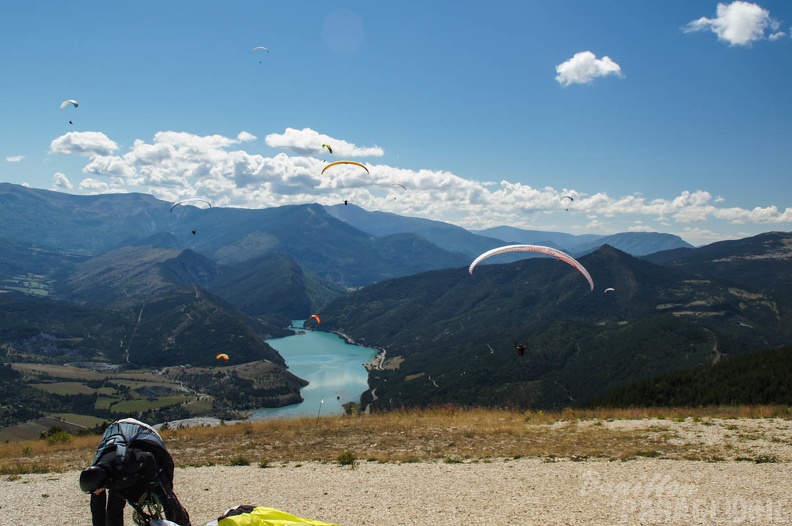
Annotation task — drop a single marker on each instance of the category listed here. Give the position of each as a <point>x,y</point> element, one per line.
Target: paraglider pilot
<point>520,347</point>
<point>123,473</point>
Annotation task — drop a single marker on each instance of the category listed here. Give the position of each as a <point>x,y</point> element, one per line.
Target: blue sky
<point>668,116</point>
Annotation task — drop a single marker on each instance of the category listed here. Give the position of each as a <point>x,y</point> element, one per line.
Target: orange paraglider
<point>316,317</point>
<point>222,356</point>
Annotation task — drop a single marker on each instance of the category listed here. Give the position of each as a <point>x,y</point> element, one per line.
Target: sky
<point>671,116</point>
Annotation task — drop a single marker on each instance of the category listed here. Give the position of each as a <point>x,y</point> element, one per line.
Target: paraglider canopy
<point>336,163</point>
<point>609,289</point>
<point>316,317</point>
<point>329,148</point>
<point>69,102</point>
<point>189,200</point>
<point>260,48</point>
<point>566,258</point>
<point>222,356</point>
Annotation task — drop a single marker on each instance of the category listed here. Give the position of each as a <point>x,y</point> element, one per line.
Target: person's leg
<point>99,508</point>
<point>115,509</point>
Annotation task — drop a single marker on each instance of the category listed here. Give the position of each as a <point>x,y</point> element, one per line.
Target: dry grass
<point>450,434</point>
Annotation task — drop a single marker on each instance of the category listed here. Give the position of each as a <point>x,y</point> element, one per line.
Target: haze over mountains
<point>78,274</point>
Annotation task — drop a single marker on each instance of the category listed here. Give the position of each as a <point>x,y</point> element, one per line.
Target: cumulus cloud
<point>14,158</point>
<point>61,182</point>
<point>739,23</point>
<point>84,143</point>
<point>584,68</point>
<point>309,142</point>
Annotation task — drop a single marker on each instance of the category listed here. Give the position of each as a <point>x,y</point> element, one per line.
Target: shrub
<point>238,460</point>
<point>347,458</point>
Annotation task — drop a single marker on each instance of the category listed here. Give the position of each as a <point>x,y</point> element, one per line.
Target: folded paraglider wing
<point>262,516</point>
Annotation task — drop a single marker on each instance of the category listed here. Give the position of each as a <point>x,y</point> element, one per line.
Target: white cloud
<point>641,228</point>
<point>14,158</point>
<point>60,182</point>
<point>309,142</point>
<point>739,23</point>
<point>94,186</point>
<point>85,143</point>
<point>584,67</point>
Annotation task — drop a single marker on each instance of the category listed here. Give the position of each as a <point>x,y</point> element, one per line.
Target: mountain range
<point>125,279</point>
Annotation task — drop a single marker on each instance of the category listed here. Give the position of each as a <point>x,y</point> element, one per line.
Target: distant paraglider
<point>222,356</point>
<point>67,103</point>
<point>329,148</point>
<point>520,348</point>
<point>609,289</point>
<point>566,258</point>
<point>316,317</point>
<point>336,163</point>
<point>571,200</point>
<point>189,200</point>
<point>260,48</point>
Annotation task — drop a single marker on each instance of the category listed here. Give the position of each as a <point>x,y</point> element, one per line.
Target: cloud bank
<point>177,164</point>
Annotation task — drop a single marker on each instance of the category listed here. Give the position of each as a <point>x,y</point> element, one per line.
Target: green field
<point>64,388</point>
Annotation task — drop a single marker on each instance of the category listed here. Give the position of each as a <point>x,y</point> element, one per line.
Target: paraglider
<point>571,200</point>
<point>316,317</point>
<point>336,163</point>
<point>188,200</point>
<point>520,348</point>
<point>609,289</point>
<point>66,103</point>
<point>400,186</point>
<point>260,48</point>
<point>222,356</point>
<point>329,148</point>
<point>566,258</point>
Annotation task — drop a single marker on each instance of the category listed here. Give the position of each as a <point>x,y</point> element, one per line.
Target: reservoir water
<point>333,367</point>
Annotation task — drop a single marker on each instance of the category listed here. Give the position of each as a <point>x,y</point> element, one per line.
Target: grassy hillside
<point>450,434</point>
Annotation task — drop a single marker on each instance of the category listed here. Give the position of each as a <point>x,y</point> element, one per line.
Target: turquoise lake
<point>333,367</point>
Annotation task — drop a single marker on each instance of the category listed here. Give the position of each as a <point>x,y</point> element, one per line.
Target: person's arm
<point>98,508</point>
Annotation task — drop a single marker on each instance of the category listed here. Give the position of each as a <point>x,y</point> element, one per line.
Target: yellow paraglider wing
<point>222,356</point>
<point>336,163</point>
<point>329,148</point>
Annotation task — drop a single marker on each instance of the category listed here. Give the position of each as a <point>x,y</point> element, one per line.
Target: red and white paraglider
<point>566,258</point>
